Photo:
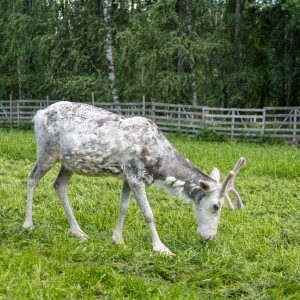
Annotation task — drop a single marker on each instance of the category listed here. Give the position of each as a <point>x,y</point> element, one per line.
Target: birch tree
<point>233,53</point>
<point>192,58</point>
<point>109,49</point>
<point>222,84</point>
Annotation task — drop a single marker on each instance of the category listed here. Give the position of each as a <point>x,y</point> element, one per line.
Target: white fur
<point>91,141</point>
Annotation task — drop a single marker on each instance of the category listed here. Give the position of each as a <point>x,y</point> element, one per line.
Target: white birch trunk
<point>224,97</point>
<point>237,29</point>
<point>109,50</point>
<point>19,69</point>
<point>193,74</point>
<point>192,59</point>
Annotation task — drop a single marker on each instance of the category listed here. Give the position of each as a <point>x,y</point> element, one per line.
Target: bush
<point>210,135</point>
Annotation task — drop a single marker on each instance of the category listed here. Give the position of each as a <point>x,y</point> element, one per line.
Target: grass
<point>256,254</point>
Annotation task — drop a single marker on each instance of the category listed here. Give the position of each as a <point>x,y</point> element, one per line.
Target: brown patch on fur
<point>145,153</point>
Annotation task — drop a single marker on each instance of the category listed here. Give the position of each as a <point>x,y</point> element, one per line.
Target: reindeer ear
<point>205,185</point>
<point>215,174</point>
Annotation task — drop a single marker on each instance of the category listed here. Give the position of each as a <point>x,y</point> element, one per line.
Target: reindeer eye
<point>216,206</point>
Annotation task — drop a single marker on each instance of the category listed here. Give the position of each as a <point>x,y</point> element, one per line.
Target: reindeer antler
<point>228,186</point>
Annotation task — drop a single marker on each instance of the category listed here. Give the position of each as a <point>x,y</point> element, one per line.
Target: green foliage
<point>174,51</point>
<point>211,135</point>
<point>269,140</point>
<point>256,254</point>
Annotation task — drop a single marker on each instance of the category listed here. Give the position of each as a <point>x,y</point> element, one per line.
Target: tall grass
<point>256,254</point>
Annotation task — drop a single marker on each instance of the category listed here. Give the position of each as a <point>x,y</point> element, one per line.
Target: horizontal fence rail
<point>274,122</point>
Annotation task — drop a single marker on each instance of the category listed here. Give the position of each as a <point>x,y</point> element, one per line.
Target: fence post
<point>18,113</point>
<point>153,111</point>
<point>264,121</point>
<point>47,100</point>
<point>93,98</point>
<point>296,111</point>
<point>232,125</point>
<point>117,107</point>
<point>203,117</point>
<point>144,106</point>
<point>11,110</point>
<point>178,117</point>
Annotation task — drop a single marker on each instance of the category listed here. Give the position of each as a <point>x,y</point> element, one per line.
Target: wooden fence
<point>274,122</point>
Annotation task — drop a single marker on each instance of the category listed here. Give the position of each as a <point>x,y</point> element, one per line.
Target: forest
<point>224,53</point>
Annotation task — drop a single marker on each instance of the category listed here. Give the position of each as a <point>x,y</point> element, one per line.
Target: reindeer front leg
<point>139,192</point>
<point>117,237</point>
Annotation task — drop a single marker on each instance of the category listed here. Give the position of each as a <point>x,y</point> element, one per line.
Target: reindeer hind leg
<point>41,167</point>
<point>60,185</point>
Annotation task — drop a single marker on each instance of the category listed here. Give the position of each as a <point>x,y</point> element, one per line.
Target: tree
<point>218,53</point>
<point>109,50</point>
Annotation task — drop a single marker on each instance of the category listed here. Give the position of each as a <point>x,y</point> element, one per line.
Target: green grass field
<point>256,254</point>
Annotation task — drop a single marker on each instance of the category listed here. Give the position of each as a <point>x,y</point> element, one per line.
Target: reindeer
<point>95,142</point>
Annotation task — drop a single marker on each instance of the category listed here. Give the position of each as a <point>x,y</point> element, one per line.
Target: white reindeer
<point>92,141</point>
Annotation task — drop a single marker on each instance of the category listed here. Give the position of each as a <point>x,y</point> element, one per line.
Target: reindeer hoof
<point>163,250</point>
<point>78,234</point>
<point>28,226</point>
<point>117,240</point>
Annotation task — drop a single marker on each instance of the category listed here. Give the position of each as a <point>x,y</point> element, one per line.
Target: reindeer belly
<point>89,162</point>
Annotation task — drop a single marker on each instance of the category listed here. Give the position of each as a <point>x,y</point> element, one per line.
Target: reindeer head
<point>208,209</point>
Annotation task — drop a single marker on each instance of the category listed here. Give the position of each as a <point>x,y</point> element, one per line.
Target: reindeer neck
<point>179,177</point>
<point>179,167</point>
